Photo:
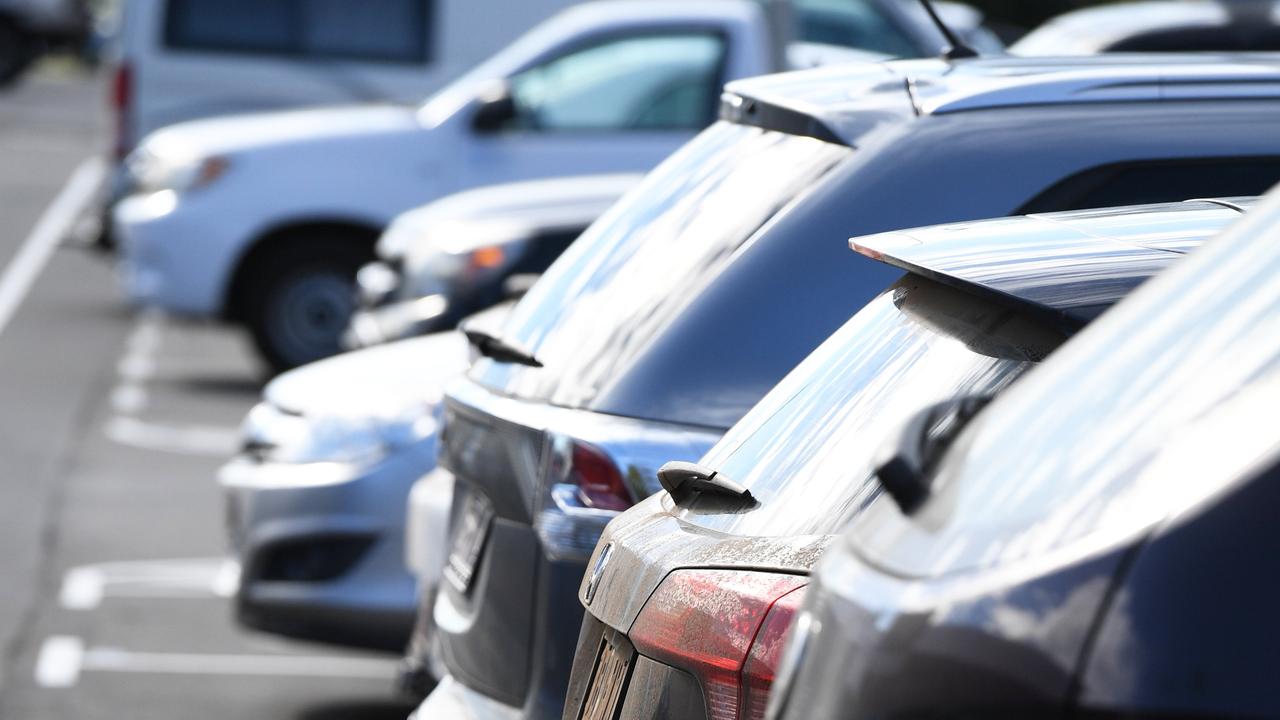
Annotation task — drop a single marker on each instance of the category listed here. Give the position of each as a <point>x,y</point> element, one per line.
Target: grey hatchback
<point>688,301</point>
<point>693,590</point>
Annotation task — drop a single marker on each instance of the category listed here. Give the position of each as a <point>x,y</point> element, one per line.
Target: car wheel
<point>15,51</point>
<point>301,301</point>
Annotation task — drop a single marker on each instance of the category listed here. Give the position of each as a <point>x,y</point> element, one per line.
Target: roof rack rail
<point>1139,83</point>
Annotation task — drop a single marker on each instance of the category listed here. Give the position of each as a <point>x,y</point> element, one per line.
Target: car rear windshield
<point>1162,404</point>
<point>806,450</point>
<point>625,282</point>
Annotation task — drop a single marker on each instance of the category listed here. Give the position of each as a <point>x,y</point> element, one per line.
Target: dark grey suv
<point>661,327</point>
<point>1096,544</point>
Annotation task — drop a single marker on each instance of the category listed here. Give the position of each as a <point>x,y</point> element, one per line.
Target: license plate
<point>607,684</point>
<point>468,541</point>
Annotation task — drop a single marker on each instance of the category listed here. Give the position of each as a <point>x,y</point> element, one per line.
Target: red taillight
<point>766,654</point>
<point>121,105</point>
<point>726,628</point>
<point>598,479</point>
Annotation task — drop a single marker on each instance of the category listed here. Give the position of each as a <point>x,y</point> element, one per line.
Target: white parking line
<point>63,659</point>
<point>53,226</point>
<point>59,662</point>
<point>137,366</point>
<point>85,587</point>
<point>185,440</point>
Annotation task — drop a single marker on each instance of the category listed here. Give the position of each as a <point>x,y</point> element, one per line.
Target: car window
<point>806,450</point>
<point>230,25</point>
<point>651,82</point>
<point>380,30</point>
<point>851,23</point>
<point>370,29</point>
<point>1216,39</point>
<point>1153,182</point>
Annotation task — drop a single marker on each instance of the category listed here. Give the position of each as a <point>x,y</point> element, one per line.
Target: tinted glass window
<point>851,23</point>
<point>806,450</point>
<point>391,30</point>
<point>1140,184</point>
<point>1219,39</point>
<point>372,29</point>
<point>656,82</point>
<point>636,270</point>
<point>232,25</point>
<point>1158,406</point>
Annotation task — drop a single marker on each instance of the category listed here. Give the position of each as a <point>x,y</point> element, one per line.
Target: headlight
<point>150,172</point>
<point>440,255</point>
<point>272,435</point>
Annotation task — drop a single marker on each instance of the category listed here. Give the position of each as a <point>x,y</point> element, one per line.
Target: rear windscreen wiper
<point>686,481</point>
<point>494,347</point>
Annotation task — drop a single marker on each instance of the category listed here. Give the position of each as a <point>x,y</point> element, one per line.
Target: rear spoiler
<point>1066,281</point>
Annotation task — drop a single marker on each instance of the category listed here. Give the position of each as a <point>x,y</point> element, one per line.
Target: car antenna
<point>956,49</point>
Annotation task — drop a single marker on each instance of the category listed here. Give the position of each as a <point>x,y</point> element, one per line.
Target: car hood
<point>371,381</point>
<point>240,133</point>
<point>503,213</point>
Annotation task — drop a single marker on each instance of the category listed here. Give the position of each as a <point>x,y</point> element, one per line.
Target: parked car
<point>1158,26</point>
<point>28,26</point>
<point>669,319</point>
<point>178,60</point>
<point>692,591</point>
<point>455,257</point>
<point>265,219</point>
<point>315,501</point>
<point>1089,545</point>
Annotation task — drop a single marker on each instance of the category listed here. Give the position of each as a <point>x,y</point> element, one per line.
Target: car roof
<point>845,103</point>
<point>1094,29</point>
<point>1069,266</point>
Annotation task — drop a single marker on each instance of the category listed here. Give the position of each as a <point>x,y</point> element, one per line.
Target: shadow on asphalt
<point>359,710</point>
<point>213,385</point>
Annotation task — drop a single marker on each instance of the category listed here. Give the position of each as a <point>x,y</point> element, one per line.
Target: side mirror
<point>905,464</point>
<point>517,286</point>
<point>495,110</point>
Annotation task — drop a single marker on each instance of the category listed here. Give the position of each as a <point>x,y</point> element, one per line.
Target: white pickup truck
<point>264,219</point>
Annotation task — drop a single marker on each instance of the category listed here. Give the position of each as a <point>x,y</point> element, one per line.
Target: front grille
<point>319,559</point>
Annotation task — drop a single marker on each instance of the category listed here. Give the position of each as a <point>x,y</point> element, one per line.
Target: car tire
<point>15,51</point>
<point>300,299</point>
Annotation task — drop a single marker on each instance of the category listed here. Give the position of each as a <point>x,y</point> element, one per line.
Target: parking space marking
<point>137,365</point>
<point>185,440</point>
<point>85,587</point>
<point>64,659</point>
<point>131,397</point>
<point>59,662</point>
<point>48,233</point>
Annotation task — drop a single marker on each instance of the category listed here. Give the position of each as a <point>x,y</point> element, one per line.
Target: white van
<point>180,60</point>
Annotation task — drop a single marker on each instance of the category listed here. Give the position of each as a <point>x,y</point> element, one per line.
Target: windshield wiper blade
<point>494,347</point>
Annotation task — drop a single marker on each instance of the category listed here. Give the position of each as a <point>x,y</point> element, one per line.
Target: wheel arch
<point>360,232</point>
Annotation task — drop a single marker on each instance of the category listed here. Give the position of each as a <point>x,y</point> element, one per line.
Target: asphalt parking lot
<point>113,424</point>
